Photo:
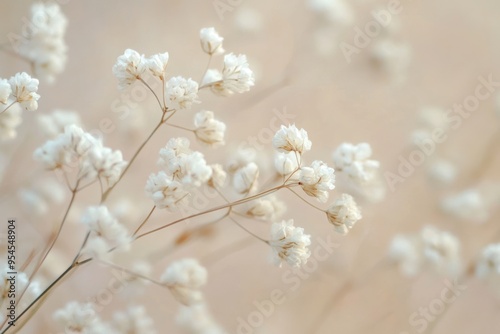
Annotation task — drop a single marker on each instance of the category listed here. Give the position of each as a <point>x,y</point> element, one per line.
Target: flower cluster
<point>184,278</point>
<point>78,149</point>
<point>182,170</point>
<point>106,232</point>
<point>44,45</point>
<point>289,244</point>
<point>353,160</point>
<point>431,248</point>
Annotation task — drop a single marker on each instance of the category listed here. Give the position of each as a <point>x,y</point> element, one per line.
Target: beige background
<point>452,42</point>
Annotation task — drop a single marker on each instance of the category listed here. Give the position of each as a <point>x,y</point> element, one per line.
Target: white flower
<point>441,251</point>
<point>431,248</point>
<point>129,67</point>
<point>186,166</point>
<point>467,205</point>
<point>108,164</point>
<point>245,178</point>
<point>291,139</point>
<point>53,124</point>
<point>343,213</point>
<point>209,130</point>
<point>43,44</point>
<point>392,56</point>
<point>211,42</point>
<point>488,264</point>
<point>5,91</point>
<point>317,180</point>
<point>77,317</point>
<point>285,163</point>
<point>182,92</point>
<point>134,320</point>
<point>236,76</point>
<point>240,158</point>
<point>442,172</point>
<point>405,252</point>
<point>106,229</point>
<point>218,177</point>
<point>289,244</point>
<point>335,11</point>
<point>196,319</point>
<point>24,90</point>
<point>184,278</point>
<point>266,208</point>
<point>165,192</point>
<point>353,160</point>
<point>157,64</point>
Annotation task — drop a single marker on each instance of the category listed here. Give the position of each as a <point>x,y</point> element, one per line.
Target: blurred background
<point>317,66</point>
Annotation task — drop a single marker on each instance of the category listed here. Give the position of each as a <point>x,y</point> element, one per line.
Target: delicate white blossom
<point>245,178</point>
<point>165,192</point>
<point>196,319</point>
<point>5,91</point>
<point>289,244</point>
<point>354,161</point>
<point>43,44</point>
<point>236,76</point>
<point>218,177</point>
<point>210,40</point>
<point>467,205</point>
<point>182,93</point>
<point>157,64</point>
<point>134,320</point>
<point>77,317</point>
<point>54,123</point>
<point>488,265</point>
<point>285,163</point>
<point>266,208</point>
<point>9,122</point>
<point>129,67</point>
<point>291,139</point>
<point>343,213</point>
<point>24,90</point>
<point>317,180</point>
<point>184,278</point>
<point>209,130</point>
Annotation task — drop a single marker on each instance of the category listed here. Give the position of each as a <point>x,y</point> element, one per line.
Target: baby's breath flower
<point>317,180</point>
<point>488,264</point>
<point>289,244</point>
<point>186,166</point>
<point>165,192</point>
<point>240,159</point>
<point>22,281</point>
<point>209,130</point>
<point>43,44</point>
<point>353,160</point>
<point>182,93</point>
<point>184,278</point>
<point>285,163</point>
<point>157,64</point>
<point>245,178</point>
<point>335,11</point>
<point>54,123</point>
<point>218,177</point>
<point>343,213</point>
<point>5,91</point>
<point>129,67</point>
<point>107,231</point>
<point>134,320</point>
<point>405,252</point>
<point>108,164</point>
<point>236,76</point>
<point>467,205</point>
<point>266,208</point>
<point>210,40</point>
<point>24,90</point>
<point>77,317</point>
<point>291,139</point>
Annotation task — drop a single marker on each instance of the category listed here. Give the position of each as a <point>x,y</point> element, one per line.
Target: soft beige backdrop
<point>452,42</point>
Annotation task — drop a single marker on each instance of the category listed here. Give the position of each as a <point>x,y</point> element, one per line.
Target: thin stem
<point>162,107</point>
<point>128,271</point>
<point>107,192</point>
<point>248,231</point>
<point>53,240</point>
<point>306,201</point>
<point>180,127</point>
<point>144,221</point>
<point>10,105</point>
<point>217,208</point>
